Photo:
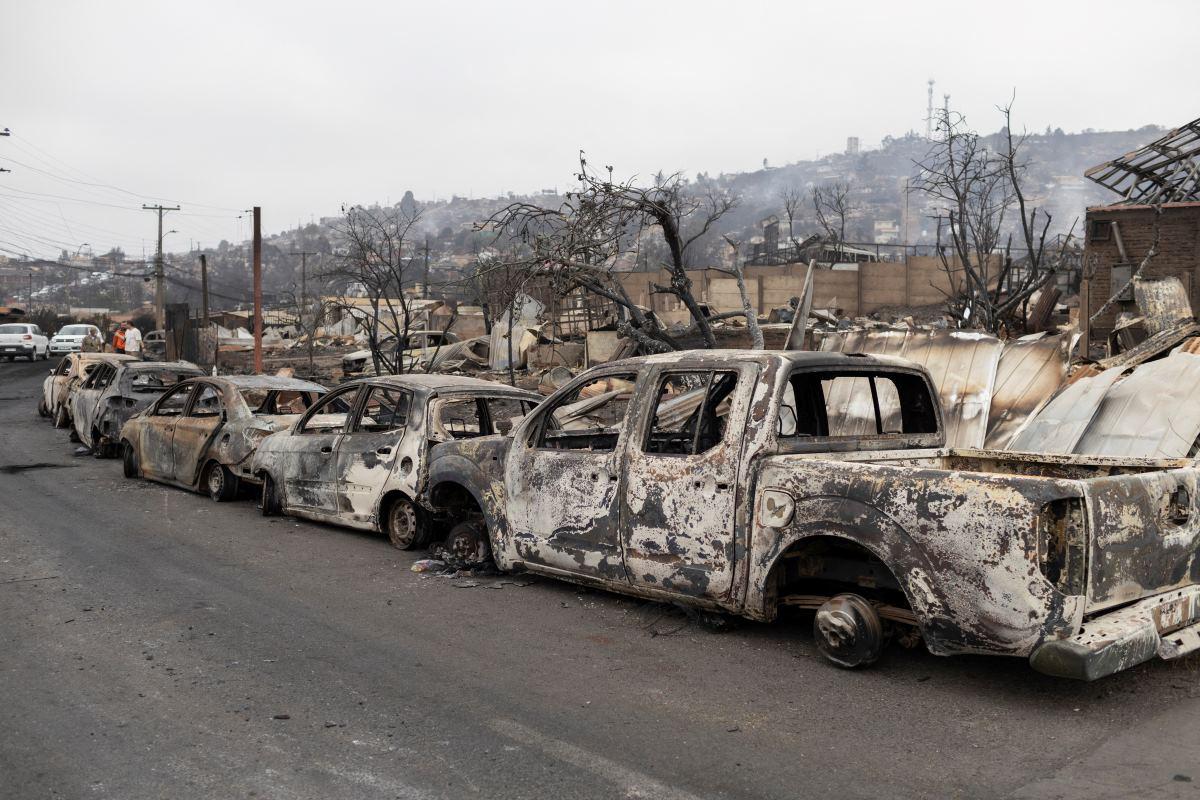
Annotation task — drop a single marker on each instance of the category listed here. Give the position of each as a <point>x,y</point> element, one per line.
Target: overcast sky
<point>299,107</point>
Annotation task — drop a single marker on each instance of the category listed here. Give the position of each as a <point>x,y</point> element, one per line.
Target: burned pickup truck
<point>746,482</point>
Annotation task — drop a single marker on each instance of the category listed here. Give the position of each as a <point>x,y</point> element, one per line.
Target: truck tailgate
<point>1145,532</point>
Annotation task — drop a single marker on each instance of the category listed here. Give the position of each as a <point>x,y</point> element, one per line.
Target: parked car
<point>23,340</point>
<point>201,433</point>
<point>64,379</point>
<point>747,482</point>
<point>154,345</point>
<point>358,457</point>
<point>70,338</point>
<point>114,392</point>
<point>416,346</point>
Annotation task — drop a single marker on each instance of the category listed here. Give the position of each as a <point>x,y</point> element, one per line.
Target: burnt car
<point>201,433</point>
<point>358,457</point>
<point>753,482</point>
<point>114,392</point>
<point>65,378</point>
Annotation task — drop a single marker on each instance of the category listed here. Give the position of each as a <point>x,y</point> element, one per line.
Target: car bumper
<point>1166,626</point>
<point>65,347</point>
<point>15,349</point>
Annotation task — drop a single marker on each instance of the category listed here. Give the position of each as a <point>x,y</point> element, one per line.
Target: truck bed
<point>1138,523</point>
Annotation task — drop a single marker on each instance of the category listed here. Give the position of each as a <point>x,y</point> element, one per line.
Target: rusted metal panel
<point>1030,371</point>
<point>1164,303</point>
<point>963,365</point>
<point>1145,532</point>
<point>1152,347</point>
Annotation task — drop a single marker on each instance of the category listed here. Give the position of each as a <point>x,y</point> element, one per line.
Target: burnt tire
<point>467,545</point>
<point>61,420</point>
<point>402,523</point>
<point>42,412</point>
<point>99,448</point>
<point>848,631</point>
<point>219,483</point>
<point>129,461</point>
<point>269,504</point>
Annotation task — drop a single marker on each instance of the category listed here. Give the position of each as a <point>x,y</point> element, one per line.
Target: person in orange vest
<point>119,339</point>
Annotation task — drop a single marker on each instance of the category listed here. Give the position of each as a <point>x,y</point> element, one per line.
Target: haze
<point>299,107</point>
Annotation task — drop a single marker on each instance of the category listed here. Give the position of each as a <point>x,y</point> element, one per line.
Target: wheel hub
<point>848,631</point>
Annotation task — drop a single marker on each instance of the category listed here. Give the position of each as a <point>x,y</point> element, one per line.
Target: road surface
<point>156,644</point>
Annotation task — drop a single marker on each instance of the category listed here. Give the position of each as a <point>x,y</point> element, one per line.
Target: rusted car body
<point>201,433</point>
<point>114,392</point>
<point>747,482</point>
<point>359,457</point>
<point>65,378</point>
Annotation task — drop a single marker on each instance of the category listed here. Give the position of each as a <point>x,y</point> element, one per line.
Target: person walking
<point>133,341</point>
<point>119,338</point>
<point>92,343</point>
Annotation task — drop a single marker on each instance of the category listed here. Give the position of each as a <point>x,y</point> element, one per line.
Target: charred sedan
<point>358,457</point>
<point>201,433</point>
<point>114,392</point>
<point>64,380</point>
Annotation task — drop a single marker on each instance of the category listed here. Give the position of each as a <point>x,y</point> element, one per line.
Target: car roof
<point>442,384</point>
<point>263,382</point>
<point>153,366</point>
<point>718,357</point>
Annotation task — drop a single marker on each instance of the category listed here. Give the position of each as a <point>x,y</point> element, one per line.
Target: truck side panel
<point>963,546</point>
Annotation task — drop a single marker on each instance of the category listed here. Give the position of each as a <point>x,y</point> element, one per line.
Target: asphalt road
<point>154,644</point>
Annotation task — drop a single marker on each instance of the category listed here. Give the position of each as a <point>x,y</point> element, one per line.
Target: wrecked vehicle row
<point>738,482</point>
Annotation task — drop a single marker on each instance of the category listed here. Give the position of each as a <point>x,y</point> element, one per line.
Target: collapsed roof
<point>1165,171</point>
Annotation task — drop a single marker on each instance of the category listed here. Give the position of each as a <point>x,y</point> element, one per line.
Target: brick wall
<point>1179,253</point>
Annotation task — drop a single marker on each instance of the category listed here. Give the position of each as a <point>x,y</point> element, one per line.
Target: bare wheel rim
<point>402,524</point>
<point>216,480</point>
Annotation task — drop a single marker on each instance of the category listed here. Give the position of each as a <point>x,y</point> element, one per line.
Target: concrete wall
<point>922,281</point>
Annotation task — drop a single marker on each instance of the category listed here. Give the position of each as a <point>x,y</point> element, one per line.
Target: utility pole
<point>303,309</point>
<point>258,311</point>
<point>204,290</point>
<point>30,309</point>
<point>160,296</point>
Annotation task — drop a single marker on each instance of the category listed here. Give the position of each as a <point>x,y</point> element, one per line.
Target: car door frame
<point>398,444</point>
<point>661,491</point>
<point>592,550</point>
<point>289,484</point>
<point>197,459</point>
<point>83,422</point>
<point>166,442</point>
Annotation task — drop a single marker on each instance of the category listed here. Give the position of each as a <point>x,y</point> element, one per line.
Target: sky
<point>299,107</point>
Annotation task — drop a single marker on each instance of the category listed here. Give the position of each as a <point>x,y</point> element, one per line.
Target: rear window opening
<point>856,404</point>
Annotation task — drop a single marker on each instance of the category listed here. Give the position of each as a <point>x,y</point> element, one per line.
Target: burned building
<point>1160,209</point>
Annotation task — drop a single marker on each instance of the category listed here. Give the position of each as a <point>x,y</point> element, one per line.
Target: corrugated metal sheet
<point>1152,413</point>
<point>1058,427</point>
<point>1030,371</point>
<point>962,363</point>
